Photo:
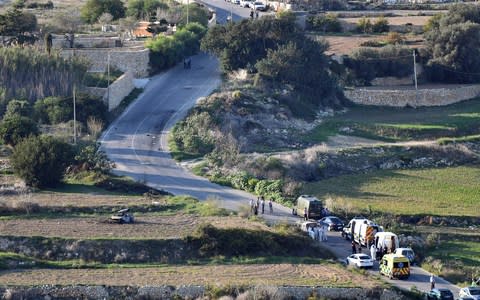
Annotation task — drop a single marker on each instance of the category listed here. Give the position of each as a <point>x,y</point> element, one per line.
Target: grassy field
<point>403,124</point>
<point>451,191</point>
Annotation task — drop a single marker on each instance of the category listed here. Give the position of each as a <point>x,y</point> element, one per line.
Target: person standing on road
<point>251,205</point>
<point>263,205</point>
<point>270,205</point>
<point>354,248</point>
<point>432,282</point>
<point>373,252</point>
<point>251,14</point>
<point>256,14</point>
<point>305,213</point>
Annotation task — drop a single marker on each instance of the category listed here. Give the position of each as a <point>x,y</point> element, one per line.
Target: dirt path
<point>221,275</point>
<point>146,227</point>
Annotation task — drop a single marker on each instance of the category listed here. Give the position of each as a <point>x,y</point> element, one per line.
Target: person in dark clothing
<point>354,247</point>
<point>305,214</point>
<point>251,14</point>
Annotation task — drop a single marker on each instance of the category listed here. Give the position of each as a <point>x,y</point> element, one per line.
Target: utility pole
<point>74,117</point>
<point>415,77</point>
<point>108,78</point>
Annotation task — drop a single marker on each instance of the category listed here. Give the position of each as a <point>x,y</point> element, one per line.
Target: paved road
<point>418,276</point>
<point>137,143</point>
<point>224,9</point>
<point>137,140</point>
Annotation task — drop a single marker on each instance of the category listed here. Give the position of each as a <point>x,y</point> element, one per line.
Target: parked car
<point>334,223</point>
<point>360,260</point>
<point>407,252</point>
<point>472,292</point>
<point>257,5</point>
<point>246,3</point>
<point>440,294</point>
<point>122,217</point>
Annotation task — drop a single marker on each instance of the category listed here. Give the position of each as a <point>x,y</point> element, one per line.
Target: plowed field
<point>146,227</point>
<point>279,274</point>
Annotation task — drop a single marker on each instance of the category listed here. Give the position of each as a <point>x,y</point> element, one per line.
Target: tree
<point>105,18</point>
<point>93,9</point>
<point>144,9</point>
<point>18,108</point>
<point>41,161</point>
<point>15,128</point>
<point>18,24</point>
<point>453,45</point>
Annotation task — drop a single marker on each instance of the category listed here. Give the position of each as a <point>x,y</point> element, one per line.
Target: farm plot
<point>220,275</point>
<point>146,227</point>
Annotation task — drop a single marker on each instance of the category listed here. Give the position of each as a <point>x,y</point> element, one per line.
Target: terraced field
<point>219,275</point>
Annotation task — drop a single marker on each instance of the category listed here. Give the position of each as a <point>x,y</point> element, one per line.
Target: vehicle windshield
<point>335,221</point>
<point>363,257</point>
<point>474,292</point>
<point>259,3</point>
<point>445,293</point>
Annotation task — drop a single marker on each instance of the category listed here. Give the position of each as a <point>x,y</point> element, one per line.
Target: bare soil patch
<point>414,20</point>
<point>221,275</point>
<point>346,44</point>
<point>146,227</point>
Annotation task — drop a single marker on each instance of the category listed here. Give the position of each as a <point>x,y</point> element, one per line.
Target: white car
<point>407,252</point>
<point>360,260</point>
<point>257,5</point>
<point>472,292</point>
<point>246,3</point>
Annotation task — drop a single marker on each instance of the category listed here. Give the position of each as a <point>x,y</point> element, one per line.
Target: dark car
<point>440,294</point>
<point>334,223</point>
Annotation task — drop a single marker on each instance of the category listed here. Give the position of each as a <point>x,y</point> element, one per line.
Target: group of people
<point>318,233</point>
<point>255,206</point>
<point>252,14</point>
<point>374,251</point>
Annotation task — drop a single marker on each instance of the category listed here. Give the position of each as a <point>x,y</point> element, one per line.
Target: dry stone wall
<point>192,292</point>
<point>135,60</point>
<point>409,97</point>
<point>120,89</point>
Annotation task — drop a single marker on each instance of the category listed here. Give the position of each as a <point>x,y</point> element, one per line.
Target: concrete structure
<point>135,59</point>
<point>407,96</point>
<point>118,90</point>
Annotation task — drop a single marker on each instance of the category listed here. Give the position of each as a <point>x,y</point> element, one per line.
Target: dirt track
<point>147,227</point>
<point>279,274</point>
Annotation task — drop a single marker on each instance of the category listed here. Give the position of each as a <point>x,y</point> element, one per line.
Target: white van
<point>386,239</point>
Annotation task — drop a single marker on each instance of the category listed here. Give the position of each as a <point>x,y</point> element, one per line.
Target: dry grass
<point>146,227</point>
<point>279,274</point>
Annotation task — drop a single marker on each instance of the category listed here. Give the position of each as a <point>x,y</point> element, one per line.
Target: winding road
<point>137,143</point>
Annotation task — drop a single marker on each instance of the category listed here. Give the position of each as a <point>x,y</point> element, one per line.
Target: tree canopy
<point>453,45</point>
<point>93,9</point>
<point>144,9</point>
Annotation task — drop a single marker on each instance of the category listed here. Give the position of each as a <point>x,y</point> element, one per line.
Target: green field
<point>403,124</point>
<point>451,191</point>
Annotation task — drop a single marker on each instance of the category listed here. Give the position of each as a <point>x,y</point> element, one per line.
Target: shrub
<point>19,108</point>
<point>380,25</point>
<point>394,38</point>
<point>14,129</point>
<point>41,161</point>
<point>324,23</point>
<point>91,158</point>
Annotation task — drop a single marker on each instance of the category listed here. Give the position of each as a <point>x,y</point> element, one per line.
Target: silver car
<point>472,292</point>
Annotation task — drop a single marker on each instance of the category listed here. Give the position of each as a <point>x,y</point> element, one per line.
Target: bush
<point>41,161</point>
<point>166,51</point>
<point>90,158</point>
<point>54,110</point>
<point>324,23</point>
<point>14,129</point>
<point>380,25</point>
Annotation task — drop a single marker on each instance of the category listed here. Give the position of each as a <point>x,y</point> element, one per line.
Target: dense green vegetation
<point>93,9</point>
<point>41,161</point>
<point>30,74</point>
<point>453,45</point>
<point>166,51</point>
<point>445,192</point>
<point>324,23</point>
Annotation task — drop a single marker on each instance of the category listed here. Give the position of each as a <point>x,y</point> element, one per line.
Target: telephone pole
<point>415,77</point>
<point>74,117</point>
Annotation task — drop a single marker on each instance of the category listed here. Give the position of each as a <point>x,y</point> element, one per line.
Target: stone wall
<point>135,60</point>
<point>409,97</point>
<point>60,42</point>
<point>192,292</point>
<point>120,89</point>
